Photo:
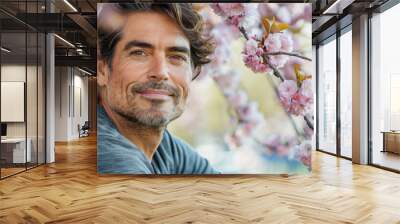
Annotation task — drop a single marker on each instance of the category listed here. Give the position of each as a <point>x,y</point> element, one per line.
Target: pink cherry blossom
<point>304,153</point>
<point>239,99</point>
<point>308,132</point>
<point>287,13</point>
<point>250,113</point>
<point>233,140</point>
<point>279,145</point>
<point>251,17</point>
<point>287,88</point>
<point>278,42</point>
<point>307,92</point>
<point>228,9</point>
<point>272,141</point>
<point>288,70</point>
<point>296,98</point>
<point>296,101</point>
<point>289,147</point>
<point>255,63</point>
<point>273,43</point>
<point>268,10</point>
<point>286,42</point>
<point>282,150</point>
<point>252,56</point>
<point>249,128</point>
<point>238,14</point>
<point>228,82</point>
<point>251,47</point>
<point>283,15</point>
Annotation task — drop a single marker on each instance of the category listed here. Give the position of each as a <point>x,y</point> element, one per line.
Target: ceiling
<point>76,25</point>
<point>331,15</point>
<point>75,21</point>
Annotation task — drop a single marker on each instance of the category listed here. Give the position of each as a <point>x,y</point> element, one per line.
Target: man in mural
<point>148,54</point>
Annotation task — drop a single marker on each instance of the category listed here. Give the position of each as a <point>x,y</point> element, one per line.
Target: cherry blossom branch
<point>243,31</point>
<point>275,70</point>
<point>278,74</point>
<point>309,123</point>
<point>266,59</point>
<point>289,54</point>
<point>287,114</point>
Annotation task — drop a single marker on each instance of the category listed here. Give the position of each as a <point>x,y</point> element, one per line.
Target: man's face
<point>150,71</point>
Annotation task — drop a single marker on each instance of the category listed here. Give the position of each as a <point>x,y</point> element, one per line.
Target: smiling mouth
<point>156,94</point>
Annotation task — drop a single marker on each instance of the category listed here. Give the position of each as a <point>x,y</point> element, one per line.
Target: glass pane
<point>314,72</point>
<point>13,86</point>
<point>41,98</point>
<point>386,89</point>
<point>327,97</point>
<point>346,94</point>
<point>31,98</point>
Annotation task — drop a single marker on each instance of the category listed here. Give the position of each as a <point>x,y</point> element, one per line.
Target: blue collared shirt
<point>118,155</point>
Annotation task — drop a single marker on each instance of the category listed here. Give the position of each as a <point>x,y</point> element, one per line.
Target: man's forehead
<point>155,28</point>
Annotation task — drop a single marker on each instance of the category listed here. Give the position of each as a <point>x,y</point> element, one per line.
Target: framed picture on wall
<point>12,98</point>
<point>204,88</point>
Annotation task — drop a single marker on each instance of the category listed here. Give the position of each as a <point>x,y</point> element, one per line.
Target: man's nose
<point>159,69</point>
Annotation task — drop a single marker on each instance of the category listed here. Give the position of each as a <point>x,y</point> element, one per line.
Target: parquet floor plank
<point>70,191</point>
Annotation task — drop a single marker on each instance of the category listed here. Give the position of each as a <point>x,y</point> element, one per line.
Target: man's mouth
<point>156,94</point>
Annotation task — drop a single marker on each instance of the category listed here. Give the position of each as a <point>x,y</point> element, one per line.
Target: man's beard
<point>152,117</point>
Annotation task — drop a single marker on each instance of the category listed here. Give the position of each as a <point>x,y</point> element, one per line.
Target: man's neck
<point>145,138</point>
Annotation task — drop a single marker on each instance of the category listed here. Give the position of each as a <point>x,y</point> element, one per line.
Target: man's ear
<point>103,72</point>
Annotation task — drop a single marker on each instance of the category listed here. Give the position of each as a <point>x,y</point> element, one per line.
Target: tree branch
<point>289,54</point>
<point>278,74</point>
<point>309,123</point>
<point>296,129</point>
<point>275,70</point>
<point>243,31</point>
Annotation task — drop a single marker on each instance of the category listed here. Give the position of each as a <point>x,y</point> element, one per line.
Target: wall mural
<point>205,88</point>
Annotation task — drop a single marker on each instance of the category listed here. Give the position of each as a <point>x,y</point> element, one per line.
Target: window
<point>22,76</point>
<point>346,93</point>
<point>327,97</point>
<point>385,89</point>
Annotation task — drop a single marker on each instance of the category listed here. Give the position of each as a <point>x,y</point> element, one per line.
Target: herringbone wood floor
<point>70,191</point>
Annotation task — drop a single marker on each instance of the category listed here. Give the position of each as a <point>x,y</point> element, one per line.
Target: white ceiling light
<point>70,5</point>
<point>337,7</point>
<point>65,41</point>
<point>5,49</point>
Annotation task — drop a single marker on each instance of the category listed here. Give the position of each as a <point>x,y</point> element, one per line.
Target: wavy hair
<point>183,14</point>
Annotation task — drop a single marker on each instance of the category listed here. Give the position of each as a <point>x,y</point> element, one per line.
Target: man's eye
<point>138,53</point>
<point>178,57</point>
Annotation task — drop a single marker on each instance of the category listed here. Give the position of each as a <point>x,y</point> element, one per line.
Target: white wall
<point>61,103</point>
<point>33,126</point>
<point>12,73</point>
<point>71,93</point>
<point>81,100</point>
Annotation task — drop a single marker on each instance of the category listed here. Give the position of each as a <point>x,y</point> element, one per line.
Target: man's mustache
<point>140,87</point>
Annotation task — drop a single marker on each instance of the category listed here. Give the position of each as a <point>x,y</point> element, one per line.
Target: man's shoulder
<point>188,160</point>
<point>116,156</point>
<point>104,125</point>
